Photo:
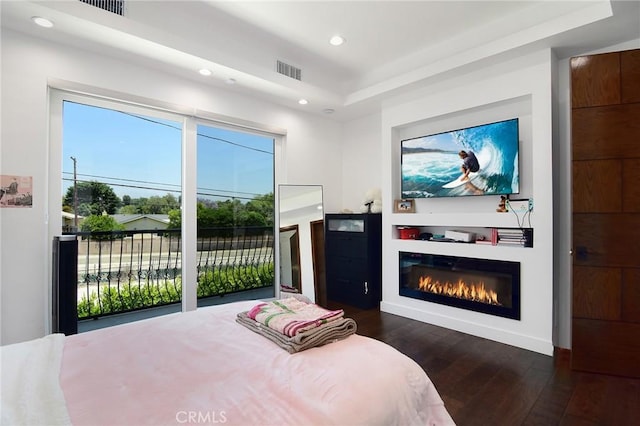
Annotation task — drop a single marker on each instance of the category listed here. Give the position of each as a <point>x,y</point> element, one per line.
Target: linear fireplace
<point>481,285</point>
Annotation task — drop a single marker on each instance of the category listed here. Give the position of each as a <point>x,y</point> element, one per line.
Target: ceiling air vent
<point>113,6</point>
<point>289,70</point>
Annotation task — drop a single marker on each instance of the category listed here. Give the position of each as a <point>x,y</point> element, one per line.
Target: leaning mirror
<point>301,242</point>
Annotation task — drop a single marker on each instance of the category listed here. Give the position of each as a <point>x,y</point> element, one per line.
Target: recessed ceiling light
<point>43,22</point>
<point>328,110</point>
<point>336,40</point>
<point>303,101</point>
<point>231,81</point>
<point>205,72</point>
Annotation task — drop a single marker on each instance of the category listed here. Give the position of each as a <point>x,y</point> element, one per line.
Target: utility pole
<point>75,196</point>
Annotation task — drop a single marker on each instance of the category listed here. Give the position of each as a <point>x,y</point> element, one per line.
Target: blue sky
<point>443,141</point>
<point>141,156</point>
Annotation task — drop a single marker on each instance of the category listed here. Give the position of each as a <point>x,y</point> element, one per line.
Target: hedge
<point>221,280</point>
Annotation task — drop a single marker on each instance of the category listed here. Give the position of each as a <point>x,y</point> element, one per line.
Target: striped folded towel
<point>291,316</point>
<point>324,334</point>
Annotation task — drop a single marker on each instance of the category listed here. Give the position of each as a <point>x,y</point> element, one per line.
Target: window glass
<point>235,214</point>
<point>121,182</point>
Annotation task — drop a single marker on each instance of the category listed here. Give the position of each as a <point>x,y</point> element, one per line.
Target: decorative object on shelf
<point>502,205</point>
<point>408,232</point>
<point>404,206</point>
<point>481,239</point>
<point>372,201</point>
<point>462,236</point>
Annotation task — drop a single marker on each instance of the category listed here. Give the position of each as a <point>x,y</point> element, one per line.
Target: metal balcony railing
<point>124,271</point>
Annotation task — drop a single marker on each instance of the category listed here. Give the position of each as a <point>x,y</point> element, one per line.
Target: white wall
<point>361,168</point>
<point>518,88</point>
<point>28,64</point>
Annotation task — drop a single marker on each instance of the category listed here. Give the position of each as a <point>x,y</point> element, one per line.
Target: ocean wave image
<point>431,165</point>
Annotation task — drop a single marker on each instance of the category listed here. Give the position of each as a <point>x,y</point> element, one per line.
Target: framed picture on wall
<point>15,191</point>
<point>404,206</point>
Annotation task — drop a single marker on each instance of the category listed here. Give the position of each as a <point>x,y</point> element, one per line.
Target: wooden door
<point>605,127</point>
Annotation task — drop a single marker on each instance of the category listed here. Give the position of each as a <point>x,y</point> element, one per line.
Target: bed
<point>203,367</point>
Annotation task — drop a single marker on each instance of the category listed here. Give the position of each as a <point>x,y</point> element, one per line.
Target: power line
<point>126,180</point>
<point>141,117</point>
<point>178,191</point>
<point>158,183</point>
<point>199,134</point>
<point>234,143</point>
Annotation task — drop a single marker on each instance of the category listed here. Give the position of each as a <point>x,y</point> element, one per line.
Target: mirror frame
<point>300,205</point>
<point>292,262</point>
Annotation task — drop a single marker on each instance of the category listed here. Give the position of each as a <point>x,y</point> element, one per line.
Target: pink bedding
<point>202,367</point>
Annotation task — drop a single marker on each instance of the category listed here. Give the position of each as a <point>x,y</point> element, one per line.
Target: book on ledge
<point>514,236</point>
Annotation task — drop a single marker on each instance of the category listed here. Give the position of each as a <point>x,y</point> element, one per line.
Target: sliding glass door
<point>165,208</point>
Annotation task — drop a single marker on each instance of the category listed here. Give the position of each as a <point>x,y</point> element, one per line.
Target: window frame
<point>190,120</point>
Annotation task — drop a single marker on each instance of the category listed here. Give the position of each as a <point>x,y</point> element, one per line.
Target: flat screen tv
<point>432,166</point>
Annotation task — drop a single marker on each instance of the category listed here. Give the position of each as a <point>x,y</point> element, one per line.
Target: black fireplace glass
<point>482,285</point>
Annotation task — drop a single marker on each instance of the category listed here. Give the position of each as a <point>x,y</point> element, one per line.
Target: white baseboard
<point>498,335</point>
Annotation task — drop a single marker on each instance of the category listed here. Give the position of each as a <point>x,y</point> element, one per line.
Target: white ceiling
<point>390,45</point>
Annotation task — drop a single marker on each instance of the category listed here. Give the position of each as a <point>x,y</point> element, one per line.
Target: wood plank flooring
<point>488,383</point>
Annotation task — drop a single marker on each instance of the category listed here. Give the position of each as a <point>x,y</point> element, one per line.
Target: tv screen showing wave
<point>479,160</point>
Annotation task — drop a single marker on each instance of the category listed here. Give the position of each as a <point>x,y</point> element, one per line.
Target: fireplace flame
<point>475,292</point>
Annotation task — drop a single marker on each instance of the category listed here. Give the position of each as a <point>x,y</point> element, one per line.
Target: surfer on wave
<point>469,164</point>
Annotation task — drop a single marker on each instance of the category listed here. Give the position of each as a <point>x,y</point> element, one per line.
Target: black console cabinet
<point>353,245</point>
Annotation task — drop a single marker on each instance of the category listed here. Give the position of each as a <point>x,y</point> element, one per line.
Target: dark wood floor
<point>487,383</point>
